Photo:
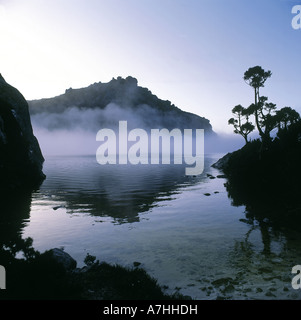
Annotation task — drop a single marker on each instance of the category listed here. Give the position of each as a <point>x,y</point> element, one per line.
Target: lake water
<point>192,242</point>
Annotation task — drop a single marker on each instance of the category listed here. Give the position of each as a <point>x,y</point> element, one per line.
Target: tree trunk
<point>256,114</point>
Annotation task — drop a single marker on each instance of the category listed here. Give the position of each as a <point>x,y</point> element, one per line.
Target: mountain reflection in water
<point>118,191</point>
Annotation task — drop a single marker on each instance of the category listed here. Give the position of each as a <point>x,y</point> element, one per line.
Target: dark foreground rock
<point>63,258</point>
<point>21,160</point>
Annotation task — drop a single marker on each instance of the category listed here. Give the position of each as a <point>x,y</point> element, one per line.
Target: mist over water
<point>73,131</point>
<point>223,143</point>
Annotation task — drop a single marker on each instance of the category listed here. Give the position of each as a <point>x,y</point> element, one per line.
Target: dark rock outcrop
<point>222,163</point>
<point>63,258</point>
<point>21,160</point>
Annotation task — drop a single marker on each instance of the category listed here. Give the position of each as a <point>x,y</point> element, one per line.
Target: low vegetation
<point>38,276</point>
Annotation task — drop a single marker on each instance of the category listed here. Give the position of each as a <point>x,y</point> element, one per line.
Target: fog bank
<point>73,131</point>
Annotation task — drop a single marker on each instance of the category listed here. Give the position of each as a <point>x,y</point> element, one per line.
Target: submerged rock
<point>21,159</point>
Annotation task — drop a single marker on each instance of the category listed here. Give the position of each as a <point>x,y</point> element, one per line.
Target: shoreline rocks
<point>63,258</point>
<point>222,162</point>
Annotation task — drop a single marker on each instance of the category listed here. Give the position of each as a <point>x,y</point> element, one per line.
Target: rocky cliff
<point>21,159</point>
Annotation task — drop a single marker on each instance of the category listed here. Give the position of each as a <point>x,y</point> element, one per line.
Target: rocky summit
<point>21,159</point>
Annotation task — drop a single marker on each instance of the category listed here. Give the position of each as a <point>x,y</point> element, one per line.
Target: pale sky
<point>191,52</point>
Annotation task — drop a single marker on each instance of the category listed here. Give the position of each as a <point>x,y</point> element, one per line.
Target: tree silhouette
<point>267,118</point>
<point>256,78</point>
<point>240,127</point>
<point>286,116</point>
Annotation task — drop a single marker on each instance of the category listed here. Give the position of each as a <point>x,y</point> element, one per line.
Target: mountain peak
<point>123,99</point>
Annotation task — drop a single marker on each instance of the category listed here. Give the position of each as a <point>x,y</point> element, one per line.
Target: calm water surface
<point>193,242</point>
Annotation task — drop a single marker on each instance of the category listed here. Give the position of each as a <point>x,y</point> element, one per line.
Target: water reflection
<point>121,192</point>
<point>262,262</point>
<point>271,246</point>
<point>29,273</point>
<point>266,204</point>
<point>14,214</point>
